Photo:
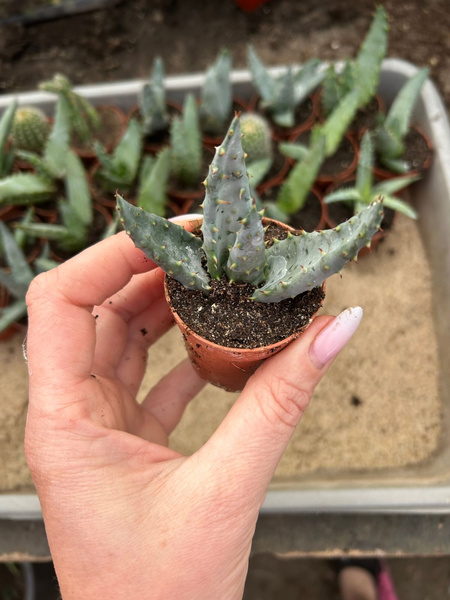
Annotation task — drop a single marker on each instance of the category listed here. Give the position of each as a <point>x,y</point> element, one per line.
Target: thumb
<point>252,438</point>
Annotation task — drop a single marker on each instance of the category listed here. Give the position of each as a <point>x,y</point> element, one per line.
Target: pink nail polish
<point>330,341</point>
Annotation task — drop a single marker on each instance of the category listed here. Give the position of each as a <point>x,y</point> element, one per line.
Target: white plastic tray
<point>424,489</point>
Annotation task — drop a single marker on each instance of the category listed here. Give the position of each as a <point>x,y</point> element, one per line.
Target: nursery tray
<point>422,488</point>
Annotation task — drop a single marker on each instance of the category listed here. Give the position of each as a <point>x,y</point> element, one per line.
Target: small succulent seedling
<point>19,276</point>
<point>365,73</point>
<point>233,237</point>
<point>364,192</point>
<point>216,97</point>
<point>186,145</point>
<point>30,129</point>
<point>153,183</point>
<point>390,135</point>
<point>281,95</point>
<point>152,101</point>
<point>119,169</point>
<point>83,117</point>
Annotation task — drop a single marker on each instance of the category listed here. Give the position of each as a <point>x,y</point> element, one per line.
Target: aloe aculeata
<point>233,237</point>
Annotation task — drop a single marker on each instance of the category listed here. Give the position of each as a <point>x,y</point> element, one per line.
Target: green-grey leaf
<point>25,188</point>
<point>12,313</point>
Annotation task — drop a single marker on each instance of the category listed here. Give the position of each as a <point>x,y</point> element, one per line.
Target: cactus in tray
<point>30,129</point>
<point>281,95</point>
<point>152,101</point>
<point>186,145</point>
<point>83,117</point>
<point>32,188</point>
<point>233,237</point>
<point>390,135</point>
<point>216,97</point>
<point>256,137</point>
<point>18,277</point>
<point>119,169</point>
<point>364,192</point>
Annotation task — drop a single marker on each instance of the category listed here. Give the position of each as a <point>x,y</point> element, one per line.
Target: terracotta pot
<point>119,118</point>
<point>282,134</point>
<point>224,367</point>
<point>383,173</point>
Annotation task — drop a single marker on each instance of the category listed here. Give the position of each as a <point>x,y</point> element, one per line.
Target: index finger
<point>61,332</point>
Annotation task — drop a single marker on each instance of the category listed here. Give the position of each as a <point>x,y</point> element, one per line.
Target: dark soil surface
<point>121,42</point>
<point>230,318</point>
<point>308,218</point>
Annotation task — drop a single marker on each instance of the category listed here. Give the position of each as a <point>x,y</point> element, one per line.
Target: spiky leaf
<point>216,102</point>
<point>21,272</point>
<point>152,101</point>
<point>299,263</point>
<point>227,200</point>
<point>298,183</point>
<point>364,175</point>
<point>247,260</point>
<point>307,79</point>
<point>186,147</point>
<point>170,246</point>
<point>152,193</point>
<point>5,128</point>
<point>25,188</point>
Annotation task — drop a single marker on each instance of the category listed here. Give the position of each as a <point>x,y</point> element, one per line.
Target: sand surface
<point>378,407</point>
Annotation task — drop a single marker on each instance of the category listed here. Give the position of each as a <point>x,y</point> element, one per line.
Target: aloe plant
<point>76,210</point>
<point>233,237</point>
<point>152,101</point>
<point>153,183</point>
<point>365,74</point>
<point>390,135</point>
<point>186,145</point>
<point>364,191</point>
<point>281,95</point>
<point>19,277</point>
<point>216,96</point>
<point>120,168</point>
<point>83,116</point>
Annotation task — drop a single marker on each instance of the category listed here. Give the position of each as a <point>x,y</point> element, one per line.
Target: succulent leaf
<point>307,79</point>
<point>59,139</point>
<point>77,188</point>
<point>298,183</point>
<point>367,65</point>
<point>21,272</point>
<point>6,122</point>
<point>390,137</point>
<point>247,260</point>
<point>170,246</point>
<point>216,102</point>
<point>25,188</point>
<point>186,146</point>
<point>364,177</point>
<point>152,101</point>
<point>152,193</point>
<point>300,263</point>
<point>12,313</point>
<point>227,200</point>
<point>262,79</point>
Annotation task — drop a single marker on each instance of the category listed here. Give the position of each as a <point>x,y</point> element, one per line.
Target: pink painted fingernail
<point>330,341</point>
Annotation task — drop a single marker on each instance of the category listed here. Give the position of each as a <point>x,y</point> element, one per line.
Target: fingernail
<point>330,341</point>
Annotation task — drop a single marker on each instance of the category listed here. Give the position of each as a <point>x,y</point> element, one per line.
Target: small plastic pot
<point>224,367</point>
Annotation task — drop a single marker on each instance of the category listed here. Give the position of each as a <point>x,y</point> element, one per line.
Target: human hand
<point>127,517</point>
